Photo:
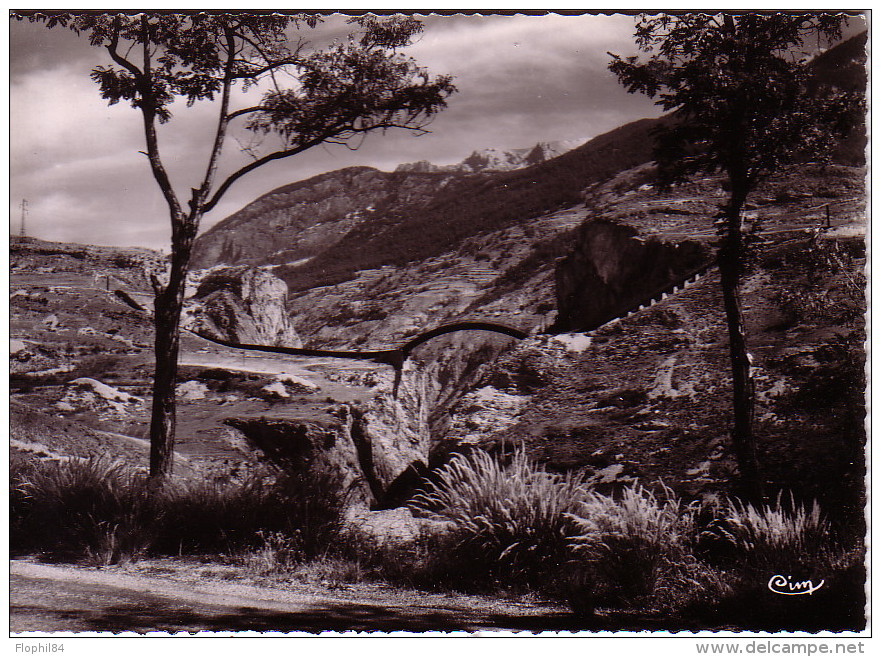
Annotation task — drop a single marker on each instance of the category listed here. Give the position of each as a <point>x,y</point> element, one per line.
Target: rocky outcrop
<point>99,400</point>
<point>298,445</point>
<point>424,166</point>
<point>390,527</point>
<point>372,452</point>
<point>379,449</point>
<point>613,268</point>
<point>245,305</point>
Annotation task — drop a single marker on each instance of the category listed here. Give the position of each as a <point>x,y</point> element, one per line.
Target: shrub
<point>277,554</point>
<point>791,541</point>
<point>95,509</point>
<point>773,537</point>
<point>510,521</point>
<point>206,517</point>
<point>635,550</point>
<point>105,512</point>
<point>211,517</point>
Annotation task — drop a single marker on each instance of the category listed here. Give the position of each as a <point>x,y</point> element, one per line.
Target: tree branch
<point>271,66</point>
<point>148,111</point>
<point>268,68</point>
<point>266,159</point>
<point>220,134</point>
<point>156,284</point>
<point>341,132</point>
<point>242,112</point>
<point>119,59</point>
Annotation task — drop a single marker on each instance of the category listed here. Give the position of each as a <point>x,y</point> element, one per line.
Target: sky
<point>520,79</point>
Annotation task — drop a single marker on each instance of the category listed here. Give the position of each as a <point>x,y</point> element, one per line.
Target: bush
<point>765,540</point>
<point>205,517</point>
<point>105,512</point>
<point>211,517</point>
<point>634,551</point>
<point>792,543</point>
<point>510,521</point>
<point>277,553</point>
<point>95,509</point>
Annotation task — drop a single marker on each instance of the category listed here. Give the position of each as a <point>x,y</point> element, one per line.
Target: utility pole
<point>24,212</point>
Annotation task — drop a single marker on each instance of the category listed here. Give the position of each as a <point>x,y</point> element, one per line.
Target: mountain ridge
<point>494,159</point>
<point>412,215</point>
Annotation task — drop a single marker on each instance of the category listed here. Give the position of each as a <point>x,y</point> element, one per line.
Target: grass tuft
<point>634,550</point>
<point>93,508</point>
<point>788,535</point>
<point>510,519</point>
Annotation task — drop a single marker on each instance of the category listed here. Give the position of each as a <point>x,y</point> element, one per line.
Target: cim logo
<point>785,586</point>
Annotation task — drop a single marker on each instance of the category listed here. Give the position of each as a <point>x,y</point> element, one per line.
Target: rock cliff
<point>244,305</point>
<point>295,222</point>
<point>378,448</point>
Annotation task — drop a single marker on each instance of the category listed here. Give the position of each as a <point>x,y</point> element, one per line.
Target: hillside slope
<point>300,220</point>
<point>323,230</point>
<point>647,397</point>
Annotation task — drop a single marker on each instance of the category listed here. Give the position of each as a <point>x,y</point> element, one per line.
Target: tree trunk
<point>168,305</point>
<point>731,258</point>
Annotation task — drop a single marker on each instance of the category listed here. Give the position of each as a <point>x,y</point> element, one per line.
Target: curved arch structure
<point>394,357</point>
<point>398,356</point>
<point>461,326</point>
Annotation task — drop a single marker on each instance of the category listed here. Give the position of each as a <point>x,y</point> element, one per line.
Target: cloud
<point>518,75</point>
<point>521,79</point>
<point>484,48</point>
<point>32,48</point>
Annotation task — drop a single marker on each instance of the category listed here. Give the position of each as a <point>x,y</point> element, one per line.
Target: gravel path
<point>51,598</point>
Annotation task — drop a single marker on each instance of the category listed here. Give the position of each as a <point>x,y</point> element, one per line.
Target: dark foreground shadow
<point>334,618</point>
<point>48,606</point>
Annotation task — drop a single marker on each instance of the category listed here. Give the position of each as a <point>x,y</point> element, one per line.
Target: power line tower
<point>24,214</point>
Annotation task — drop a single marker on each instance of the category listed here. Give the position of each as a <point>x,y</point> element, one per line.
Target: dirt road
<point>47,599</point>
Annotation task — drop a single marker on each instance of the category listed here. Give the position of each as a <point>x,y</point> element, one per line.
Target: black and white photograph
<point>440,323</point>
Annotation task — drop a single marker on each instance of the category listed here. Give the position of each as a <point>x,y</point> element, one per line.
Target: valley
<point>637,398</point>
<point>622,379</point>
<point>449,338</point>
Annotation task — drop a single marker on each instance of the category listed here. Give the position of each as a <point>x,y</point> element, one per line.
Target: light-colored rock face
<point>391,526</point>
<point>395,429</point>
<point>245,305</point>
<point>485,411</point>
<point>104,401</point>
<point>191,391</point>
<point>265,297</point>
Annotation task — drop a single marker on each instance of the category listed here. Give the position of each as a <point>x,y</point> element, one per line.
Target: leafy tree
<point>745,105</point>
<point>334,95</point>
